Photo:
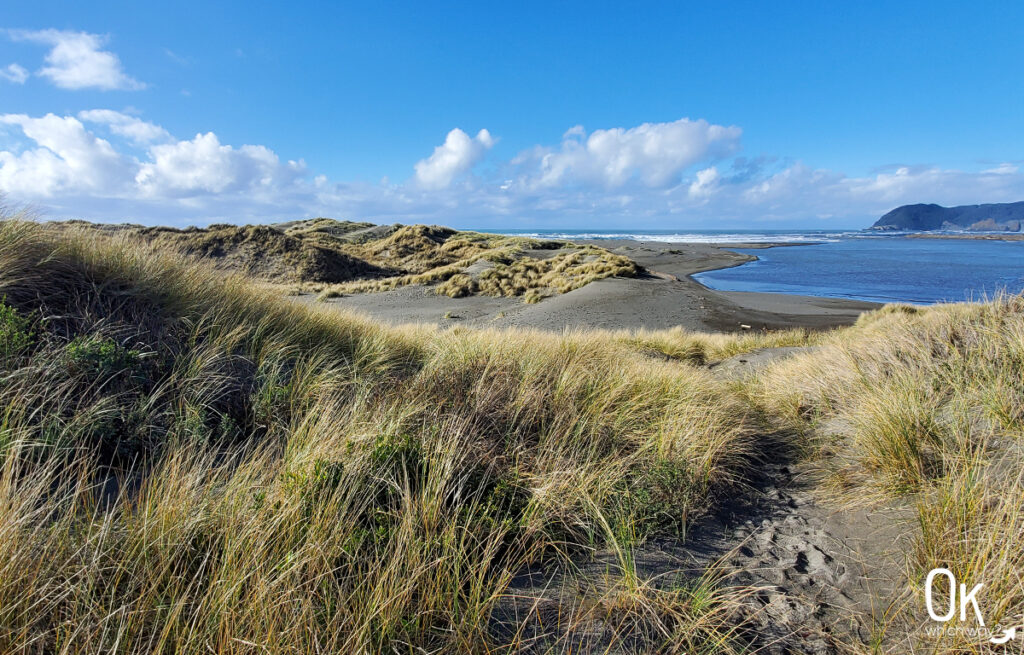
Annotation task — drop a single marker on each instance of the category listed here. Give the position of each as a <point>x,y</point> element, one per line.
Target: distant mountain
<point>1004,217</point>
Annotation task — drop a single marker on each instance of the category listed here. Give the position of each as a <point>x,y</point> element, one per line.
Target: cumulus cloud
<point>933,184</point>
<point>654,154</point>
<point>76,60</point>
<point>64,162</point>
<point>145,174</point>
<point>14,73</point>
<point>135,129</point>
<point>67,158</point>
<point>458,154</point>
<point>204,165</point>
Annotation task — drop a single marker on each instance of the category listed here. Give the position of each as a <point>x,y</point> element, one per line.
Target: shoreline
<point>665,296</point>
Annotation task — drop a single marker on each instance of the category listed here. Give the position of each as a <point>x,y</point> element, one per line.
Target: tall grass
<point>701,348</point>
<point>927,405</point>
<point>191,464</point>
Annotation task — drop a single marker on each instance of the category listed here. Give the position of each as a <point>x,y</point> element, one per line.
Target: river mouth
<point>880,269</point>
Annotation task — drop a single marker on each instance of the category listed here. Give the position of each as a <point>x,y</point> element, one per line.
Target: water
<point>881,269</point>
<point>855,265</point>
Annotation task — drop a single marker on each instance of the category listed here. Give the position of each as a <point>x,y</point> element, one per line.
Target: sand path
<point>820,577</point>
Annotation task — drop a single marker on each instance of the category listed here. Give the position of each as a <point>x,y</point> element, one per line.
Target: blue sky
<point>602,115</point>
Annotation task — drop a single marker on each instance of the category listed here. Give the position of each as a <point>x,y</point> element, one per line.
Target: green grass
<point>189,463</point>
<point>926,405</point>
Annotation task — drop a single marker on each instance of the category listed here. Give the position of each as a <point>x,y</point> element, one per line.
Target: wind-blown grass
<point>188,463</point>
<point>700,348</point>
<point>927,404</point>
<point>332,257</point>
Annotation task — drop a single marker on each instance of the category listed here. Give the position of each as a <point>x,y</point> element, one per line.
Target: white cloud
<point>59,164</point>
<point>68,157</point>
<point>176,58</point>
<point>67,161</point>
<point>655,154</point>
<point>705,184</point>
<point>204,165</point>
<point>76,60</point>
<point>137,130</point>
<point>932,184</point>
<point>1005,168</point>
<point>455,156</point>
<point>14,73</point>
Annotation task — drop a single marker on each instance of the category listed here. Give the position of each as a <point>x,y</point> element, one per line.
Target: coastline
<point>664,297</point>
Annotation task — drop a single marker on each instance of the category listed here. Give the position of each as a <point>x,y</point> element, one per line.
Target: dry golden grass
<point>701,348</point>
<point>306,253</point>
<point>513,273</point>
<point>335,257</point>
<point>431,255</point>
<point>191,464</point>
<point>535,278</point>
<point>927,404</point>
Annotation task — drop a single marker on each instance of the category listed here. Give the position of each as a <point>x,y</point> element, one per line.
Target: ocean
<point>850,264</point>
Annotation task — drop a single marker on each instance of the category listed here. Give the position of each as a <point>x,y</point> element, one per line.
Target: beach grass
<point>510,270</point>
<point>332,258</point>
<point>189,463</point>
<point>925,405</point>
<point>702,347</point>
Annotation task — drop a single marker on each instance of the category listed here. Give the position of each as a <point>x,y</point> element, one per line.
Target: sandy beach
<point>666,296</point>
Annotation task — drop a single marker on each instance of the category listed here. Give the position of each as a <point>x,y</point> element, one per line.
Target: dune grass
<point>701,348</point>
<point>440,258</point>
<point>927,405</point>
<point>534,279</point>
<point>191,464</point>
<point>332,258</point>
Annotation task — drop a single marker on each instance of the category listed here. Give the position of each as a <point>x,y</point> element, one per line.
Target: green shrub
<point>101,357</point>
<point>16,332</point>
<point>659,500</point>
<point>505,502</point>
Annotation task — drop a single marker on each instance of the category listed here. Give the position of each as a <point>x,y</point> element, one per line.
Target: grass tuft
<point>191,463</point>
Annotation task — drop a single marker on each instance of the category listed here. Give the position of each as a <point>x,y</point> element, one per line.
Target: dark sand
<point>663,298</point>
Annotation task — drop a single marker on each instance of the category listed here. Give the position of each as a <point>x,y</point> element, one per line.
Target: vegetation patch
<point>926,404</point>
<point>266,252</point>
<point>512,273</point>
<point>333,258</point>
<point>17,333</point>
<point>191,463</point>
<point>236,453</point>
